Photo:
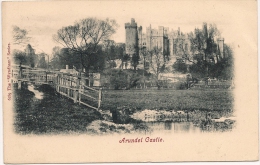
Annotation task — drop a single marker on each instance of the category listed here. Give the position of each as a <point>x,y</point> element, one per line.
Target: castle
<point>174,44</point>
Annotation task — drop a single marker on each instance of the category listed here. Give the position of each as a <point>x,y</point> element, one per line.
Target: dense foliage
<point>180,66</point>
<point>122,79</point>
<point>83,38</point>
<point>206,60</point>
<point>202,68</point>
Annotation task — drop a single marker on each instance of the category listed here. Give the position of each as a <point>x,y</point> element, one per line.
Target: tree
<point>42,62</point>
<point>97,60</point>
<point>56,51</point>
<point>63,57</point>
<point>83,37</point>
<point>135,60</point>
<point>199,69</point>
<point>224,69</point>
<point>135,56</point>
<point>181,47</point>
<point>121,54</point>
<point>203,42</point>
<point>143,54</point>
<point>55,60</point>
<point>68,57</point>
<point>20,36</point>
<point>20,57</point>
<point>109,49</point>
<point>180,66</point>
<point>157,62</point>
<point>122,79</point>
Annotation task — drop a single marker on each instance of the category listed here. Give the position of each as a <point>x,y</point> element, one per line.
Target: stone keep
<point>131,38</point>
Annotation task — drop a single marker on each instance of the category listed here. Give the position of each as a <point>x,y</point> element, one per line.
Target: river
<point>37,94</point>
<point>39,110</point>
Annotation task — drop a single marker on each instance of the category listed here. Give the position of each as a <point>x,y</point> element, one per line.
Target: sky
<point>43,19</point>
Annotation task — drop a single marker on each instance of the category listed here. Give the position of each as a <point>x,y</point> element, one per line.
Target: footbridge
<point>75,87</point>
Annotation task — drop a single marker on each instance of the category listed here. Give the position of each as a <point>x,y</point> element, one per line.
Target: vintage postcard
<point>130,81</point>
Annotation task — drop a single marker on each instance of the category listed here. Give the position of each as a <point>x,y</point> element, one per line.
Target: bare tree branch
<point>20,36</point>
<point>84,36</point>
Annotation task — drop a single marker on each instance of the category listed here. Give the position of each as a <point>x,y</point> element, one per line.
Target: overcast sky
<point>43,19</point>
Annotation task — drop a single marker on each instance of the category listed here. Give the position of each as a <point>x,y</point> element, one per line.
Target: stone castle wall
<point>174,43</point>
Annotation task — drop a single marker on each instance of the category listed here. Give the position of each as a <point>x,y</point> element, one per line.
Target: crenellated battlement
<point>128,25</point>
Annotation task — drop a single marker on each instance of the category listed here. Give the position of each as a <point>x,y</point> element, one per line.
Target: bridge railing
<point>71,86</point>
<point>38,77</point>
<point>74,88</point>
<point>90,97</point>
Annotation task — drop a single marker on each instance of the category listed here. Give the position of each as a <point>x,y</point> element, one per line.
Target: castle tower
<point>160,37</point>
<point>131,42</point>
<point>149,37</point>
<point>221,47</point>
<point>140,37</point>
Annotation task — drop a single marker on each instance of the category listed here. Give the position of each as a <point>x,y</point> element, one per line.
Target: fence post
<point>76,91</point>
<point>75,96</point>
<point>80,90</point>
<point>70,81</point>
<point>58,84</point>
<point>68,93</point>
<point>99,97</point>
<point>19,84</point>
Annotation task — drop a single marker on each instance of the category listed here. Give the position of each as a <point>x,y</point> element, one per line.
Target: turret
<point>131,37</point>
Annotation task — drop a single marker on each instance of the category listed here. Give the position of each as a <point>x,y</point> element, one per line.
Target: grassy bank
<point>52,114</point>
<point>209,99</point>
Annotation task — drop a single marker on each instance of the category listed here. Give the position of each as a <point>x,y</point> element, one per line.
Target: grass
<point>57,114</point>
<point>207,99</point>
<point>52,114</point>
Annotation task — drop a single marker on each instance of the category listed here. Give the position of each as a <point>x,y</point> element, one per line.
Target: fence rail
<point>76,90</point>
<point>70,86</point>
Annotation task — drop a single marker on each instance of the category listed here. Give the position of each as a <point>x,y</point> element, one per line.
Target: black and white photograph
<point>130,74</point>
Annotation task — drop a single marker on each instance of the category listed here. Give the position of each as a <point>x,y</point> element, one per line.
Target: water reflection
<point>38,95</point>
<point>186,121</point>
<point>173,127</point>
<point>168,125</point>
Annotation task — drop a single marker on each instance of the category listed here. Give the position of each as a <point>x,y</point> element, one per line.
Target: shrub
<point>122,79</point>
<point>118,79</point>
<point>180,85</point>
<point>180,66</point>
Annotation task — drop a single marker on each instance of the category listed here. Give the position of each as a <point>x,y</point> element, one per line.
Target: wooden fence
<point>70,86</point>
<point>74,88</point>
